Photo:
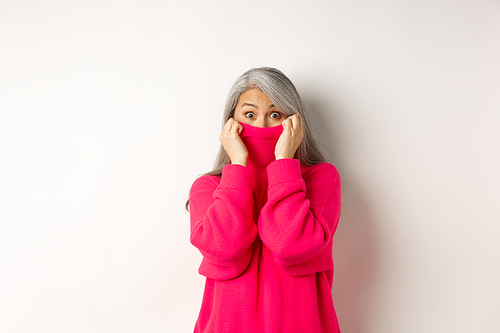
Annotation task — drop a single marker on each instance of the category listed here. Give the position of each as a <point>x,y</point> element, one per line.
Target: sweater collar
<point>260,143</point>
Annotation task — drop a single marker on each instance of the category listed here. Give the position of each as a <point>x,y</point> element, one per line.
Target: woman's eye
<point>249,114</point>
<point>275,113</point>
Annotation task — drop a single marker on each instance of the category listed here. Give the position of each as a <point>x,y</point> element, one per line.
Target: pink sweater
<point>265,232</point>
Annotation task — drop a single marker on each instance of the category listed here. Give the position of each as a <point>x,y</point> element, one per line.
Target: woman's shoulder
<point>319,167</point>
<point>204,182</point>
<point>322,170</point>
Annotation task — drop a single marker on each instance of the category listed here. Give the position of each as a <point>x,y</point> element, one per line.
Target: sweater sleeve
<point>222,219</point>
<point>300,217</point>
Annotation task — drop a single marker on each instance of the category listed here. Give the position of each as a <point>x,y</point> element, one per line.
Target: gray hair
<point>282,93</point>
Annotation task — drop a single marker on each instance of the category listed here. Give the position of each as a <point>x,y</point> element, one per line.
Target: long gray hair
<point>282,93</point>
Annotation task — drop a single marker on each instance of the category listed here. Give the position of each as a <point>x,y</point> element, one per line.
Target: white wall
<point>110,110</point>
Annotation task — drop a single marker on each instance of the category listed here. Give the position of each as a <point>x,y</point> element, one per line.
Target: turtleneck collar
<point>260,143</point>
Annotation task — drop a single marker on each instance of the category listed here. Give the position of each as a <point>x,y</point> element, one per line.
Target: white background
<point>111,109</point>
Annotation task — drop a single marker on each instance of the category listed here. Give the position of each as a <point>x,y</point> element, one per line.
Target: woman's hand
<point>291,137</point>
<point>234,146</point>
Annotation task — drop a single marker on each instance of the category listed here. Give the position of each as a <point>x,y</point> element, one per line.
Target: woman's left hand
<point>291,137</point>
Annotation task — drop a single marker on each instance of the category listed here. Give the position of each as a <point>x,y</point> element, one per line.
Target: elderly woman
<point>264,219</point>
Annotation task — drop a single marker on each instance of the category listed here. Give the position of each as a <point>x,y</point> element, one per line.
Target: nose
<point>262,122</point>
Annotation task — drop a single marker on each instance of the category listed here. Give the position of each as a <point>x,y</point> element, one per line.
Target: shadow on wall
<point>356,250</point>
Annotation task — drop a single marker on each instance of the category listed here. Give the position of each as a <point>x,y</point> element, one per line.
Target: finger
<point>227,125</point>
<point>286,124</point>
<point>233,125</point>
<point>236,127</point>
<point>297,121</point>
<point>290,120</point>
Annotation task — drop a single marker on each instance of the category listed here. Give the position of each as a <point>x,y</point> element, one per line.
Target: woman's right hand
<point>234,146</point>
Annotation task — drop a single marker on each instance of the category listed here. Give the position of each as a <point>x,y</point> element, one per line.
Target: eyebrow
<point>250,104</point>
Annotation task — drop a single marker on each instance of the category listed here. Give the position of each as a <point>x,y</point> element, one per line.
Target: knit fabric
<point>265,232</point>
